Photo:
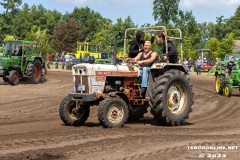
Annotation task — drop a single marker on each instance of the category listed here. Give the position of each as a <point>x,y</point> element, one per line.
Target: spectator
<point>190,64</point>
<point>48,59</point>
<point>199,63</point>
<point>67,60</point>
<point>57,58</point>
<point>185,63</point>
<point>63,60</point>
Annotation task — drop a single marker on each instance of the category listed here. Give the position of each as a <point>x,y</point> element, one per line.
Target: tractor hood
<point>122,70</point>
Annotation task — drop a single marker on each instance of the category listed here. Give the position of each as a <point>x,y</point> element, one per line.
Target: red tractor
<point>205,54</point>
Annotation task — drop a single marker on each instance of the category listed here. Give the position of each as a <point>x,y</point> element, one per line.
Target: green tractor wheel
<point>219,82</point>
<point>14,77</point>
<point>228,90</point>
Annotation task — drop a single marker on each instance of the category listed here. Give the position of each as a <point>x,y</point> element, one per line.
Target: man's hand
<point>139,62</point>
<point>141,49</point>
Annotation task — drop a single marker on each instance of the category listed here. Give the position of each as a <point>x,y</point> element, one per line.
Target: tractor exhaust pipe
<point>115,48</point>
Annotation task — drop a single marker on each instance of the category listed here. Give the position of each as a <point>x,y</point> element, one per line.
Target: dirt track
<point>30,127</point>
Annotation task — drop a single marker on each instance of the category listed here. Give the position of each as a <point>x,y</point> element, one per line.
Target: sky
<point>141,10</point>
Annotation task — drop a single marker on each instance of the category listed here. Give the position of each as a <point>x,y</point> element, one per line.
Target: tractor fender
<point>120,94</point>
<point>163,67</point>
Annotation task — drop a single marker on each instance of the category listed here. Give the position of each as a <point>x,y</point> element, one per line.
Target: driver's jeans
<point>144,73</point>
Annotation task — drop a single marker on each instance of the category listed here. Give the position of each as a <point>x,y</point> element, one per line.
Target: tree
<point>165,11</point>
<point>65,35</point>
<point>11,5</point>
<point>226,46</point>
<point>89,21</point>
<point>6,19</point>
<point>213,44</point>
<point>233,23</point>
<point>43,39</point>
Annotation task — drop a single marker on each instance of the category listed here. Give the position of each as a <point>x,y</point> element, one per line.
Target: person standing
<point>199,63</point>
<point>185,63</point>
<point>190,64</point>
<point>63,60</point>
<point>67,60</point>
<point>57,58</point>
<point>48,59</point>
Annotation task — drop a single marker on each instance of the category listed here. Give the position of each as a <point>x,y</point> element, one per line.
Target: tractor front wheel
<point>72,114</point>
<point>228,90</point>
<point>113,112</point>
<point>14,77</point>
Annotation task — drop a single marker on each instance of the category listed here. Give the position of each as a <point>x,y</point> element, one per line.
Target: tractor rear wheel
<point>228,90</point>
<point>34,71</point>
<point>71,114</point>
<point>14,77</point>
<point>219,83</point>
<point>171,98</point>
<point>113,112</point>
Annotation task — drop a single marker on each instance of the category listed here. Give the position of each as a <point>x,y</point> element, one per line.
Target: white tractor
<point>116,89</point>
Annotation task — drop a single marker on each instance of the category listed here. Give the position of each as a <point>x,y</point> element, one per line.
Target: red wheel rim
<point>37,72</point>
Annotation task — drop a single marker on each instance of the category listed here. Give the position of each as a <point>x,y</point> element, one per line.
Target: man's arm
<point>138,56</point>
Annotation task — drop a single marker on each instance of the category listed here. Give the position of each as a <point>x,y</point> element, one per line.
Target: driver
<point>145,59</point>
<point>231,65</point>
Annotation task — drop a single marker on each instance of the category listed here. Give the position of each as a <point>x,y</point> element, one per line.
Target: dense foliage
<point>57,32</point>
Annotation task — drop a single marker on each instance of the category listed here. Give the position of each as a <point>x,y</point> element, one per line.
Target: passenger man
<point>145,59</point>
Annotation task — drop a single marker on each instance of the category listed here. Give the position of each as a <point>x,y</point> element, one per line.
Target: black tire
<point>14,77</point>
<point>219,83</point>
<point>67,115</point>
<point>228,90</point>
<point>119,112</point>
<point>34,71</point>
<point>44,72</point>
<point>5,79</point>
<point>171,98</point>
<point>135,113</point>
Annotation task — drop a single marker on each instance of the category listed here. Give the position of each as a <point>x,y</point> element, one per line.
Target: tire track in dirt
<point>214,121</point>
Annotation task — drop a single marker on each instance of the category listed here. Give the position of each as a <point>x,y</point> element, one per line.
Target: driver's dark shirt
<point>144,58</point>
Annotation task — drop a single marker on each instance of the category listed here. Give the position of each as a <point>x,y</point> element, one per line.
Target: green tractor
<point>224,81</point>
<point>22,59</point>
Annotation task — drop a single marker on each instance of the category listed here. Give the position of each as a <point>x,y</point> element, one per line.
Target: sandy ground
<point>30,127</point>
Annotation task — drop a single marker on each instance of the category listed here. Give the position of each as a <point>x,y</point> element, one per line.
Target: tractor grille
<point>81,80</point>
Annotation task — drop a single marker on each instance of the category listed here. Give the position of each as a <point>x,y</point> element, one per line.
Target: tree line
<point>57,32</point>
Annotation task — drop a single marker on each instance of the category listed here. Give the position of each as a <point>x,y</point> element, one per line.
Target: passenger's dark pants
<point>173,59</point>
